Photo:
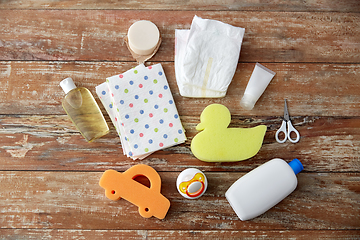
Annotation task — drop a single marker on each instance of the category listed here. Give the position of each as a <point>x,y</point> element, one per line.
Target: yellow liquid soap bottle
<point>83,110</point>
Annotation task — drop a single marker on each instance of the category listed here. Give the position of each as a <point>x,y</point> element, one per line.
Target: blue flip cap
<point>296,166</point>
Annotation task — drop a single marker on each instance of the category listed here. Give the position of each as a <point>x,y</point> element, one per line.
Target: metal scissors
<point>290,128</point>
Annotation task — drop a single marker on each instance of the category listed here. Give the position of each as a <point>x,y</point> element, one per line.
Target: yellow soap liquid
<point>84,112</point>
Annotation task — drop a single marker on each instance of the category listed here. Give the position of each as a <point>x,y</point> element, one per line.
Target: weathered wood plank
<point>49,174</point>
<point>44,234</point>
<point>330,89</point>
<point>53,143</point>
<point>74,200</point>
<point>98,35</point>
<point>246,5</point>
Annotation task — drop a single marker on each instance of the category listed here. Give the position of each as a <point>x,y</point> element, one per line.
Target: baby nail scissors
<point>289,129</point>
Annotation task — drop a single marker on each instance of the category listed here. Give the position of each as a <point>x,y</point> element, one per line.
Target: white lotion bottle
<point>262,188</point>
<point>259,80</point>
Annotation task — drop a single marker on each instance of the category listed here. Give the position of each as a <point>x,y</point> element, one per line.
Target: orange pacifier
<point>191,183</point>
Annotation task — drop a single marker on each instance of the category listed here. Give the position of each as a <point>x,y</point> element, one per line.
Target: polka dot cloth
<point>142,110</point>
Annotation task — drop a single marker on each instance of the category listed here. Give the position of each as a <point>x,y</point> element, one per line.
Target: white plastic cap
<point>248,102</point>
<point>67,85</point>
<point>143,37</point>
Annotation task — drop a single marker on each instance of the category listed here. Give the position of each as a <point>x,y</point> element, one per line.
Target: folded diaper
<point>142,110</point>
<point>206,57</point>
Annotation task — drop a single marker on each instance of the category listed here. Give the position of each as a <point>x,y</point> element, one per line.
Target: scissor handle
<point>282,129</point>
<point>292,129</point>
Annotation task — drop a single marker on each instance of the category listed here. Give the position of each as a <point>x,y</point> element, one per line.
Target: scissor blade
<point>286,112</point>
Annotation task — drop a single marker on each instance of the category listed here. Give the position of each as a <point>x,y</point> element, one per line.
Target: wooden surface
<point>49,174</point>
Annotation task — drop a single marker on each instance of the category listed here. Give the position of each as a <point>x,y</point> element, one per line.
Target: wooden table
<point>49,174</point>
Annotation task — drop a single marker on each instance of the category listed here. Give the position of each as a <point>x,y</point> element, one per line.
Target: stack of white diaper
<point>206,57</point>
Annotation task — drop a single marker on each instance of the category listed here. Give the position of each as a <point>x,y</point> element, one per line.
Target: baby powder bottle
<point>83,111</point>
<point>264,187</point>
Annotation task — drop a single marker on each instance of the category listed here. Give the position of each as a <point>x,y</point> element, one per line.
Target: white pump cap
<point>67,85</point>
<point>248,102</point>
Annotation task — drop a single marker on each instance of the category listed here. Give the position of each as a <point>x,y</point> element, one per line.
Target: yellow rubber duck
<point>218,143</point>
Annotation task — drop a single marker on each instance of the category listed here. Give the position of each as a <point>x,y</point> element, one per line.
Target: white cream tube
<point>259,80</point>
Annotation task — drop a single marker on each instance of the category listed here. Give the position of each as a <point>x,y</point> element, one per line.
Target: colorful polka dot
<point>132,94</point>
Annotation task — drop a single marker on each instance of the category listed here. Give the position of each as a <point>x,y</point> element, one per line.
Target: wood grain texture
<point>246,5</point>
<point>30,234</point>
<point>98,35</point>
<point>53,143</point>
<point>74,200</point>
<point>49,174</point>
<point>330,89</point>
